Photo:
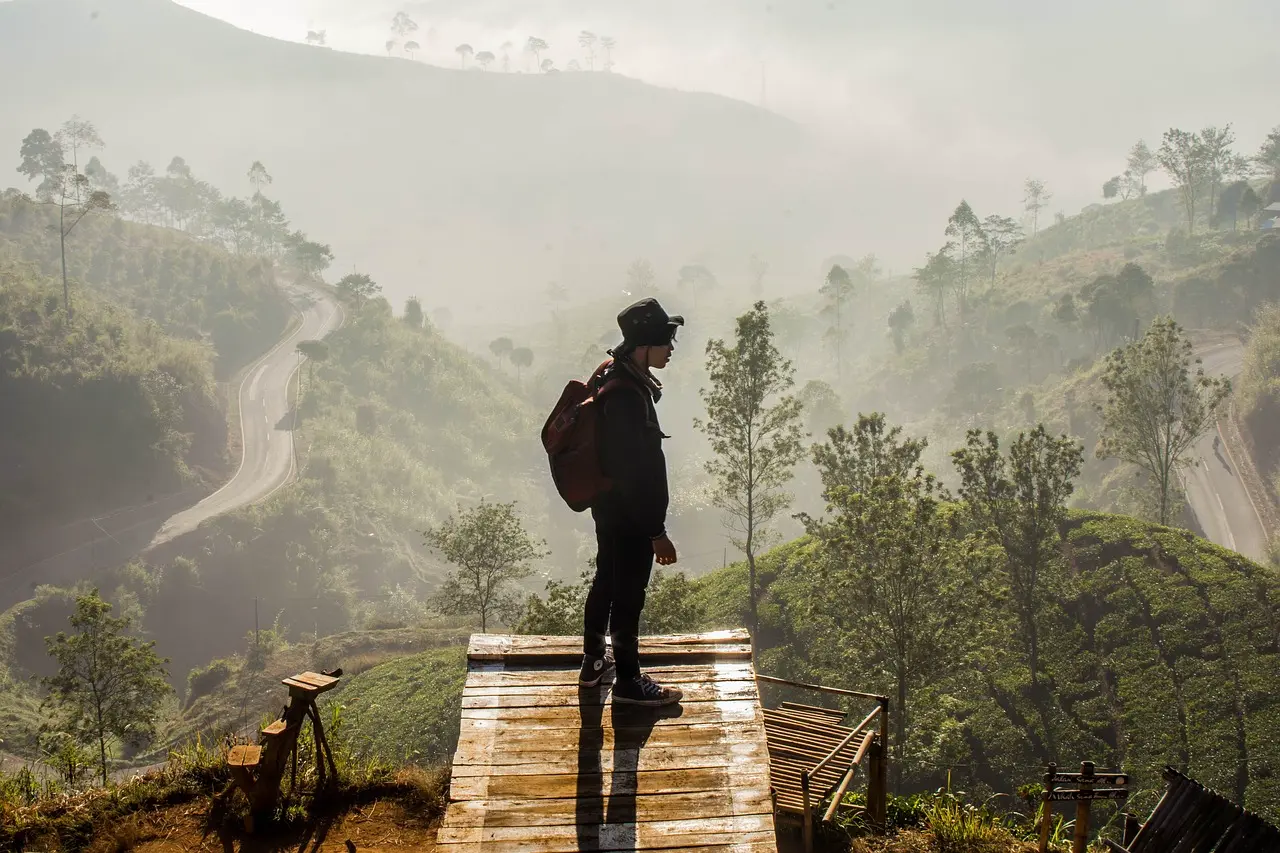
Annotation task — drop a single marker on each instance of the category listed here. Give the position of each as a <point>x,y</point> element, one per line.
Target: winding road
<point>1214,487</point>
<point>266,419</point>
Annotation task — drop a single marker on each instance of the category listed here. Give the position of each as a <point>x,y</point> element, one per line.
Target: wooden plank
<point>506,647</point>
<point>551,697</point>
<point>835,714</point>
<point>492,675</point>
<point>577,717</point>
<point>622,842</point>
<point>609,761</point>
<point>562,785</point>
<point>641,835</point>
<point>575,811</point>
<point>244,756</point>
<point>311,682</point>
<point>660,737</point>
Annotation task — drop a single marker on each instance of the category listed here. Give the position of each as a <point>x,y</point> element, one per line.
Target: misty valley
<point>298,549</point>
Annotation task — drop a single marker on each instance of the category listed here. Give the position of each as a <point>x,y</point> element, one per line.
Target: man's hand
<point>664,550</point>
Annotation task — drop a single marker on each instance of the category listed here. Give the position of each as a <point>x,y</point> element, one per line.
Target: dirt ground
<point>379,827</point>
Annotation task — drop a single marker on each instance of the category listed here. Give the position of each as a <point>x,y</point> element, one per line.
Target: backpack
<point>569,437</point>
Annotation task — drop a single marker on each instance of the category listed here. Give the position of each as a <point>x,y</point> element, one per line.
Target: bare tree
<point>1035,198</point>
<point>608,43</point>
<point>588,42</point>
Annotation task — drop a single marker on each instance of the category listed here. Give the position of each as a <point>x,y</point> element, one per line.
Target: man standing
<point>631,518</point>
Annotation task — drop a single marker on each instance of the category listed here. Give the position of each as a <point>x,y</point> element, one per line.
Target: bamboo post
<point>1046,809</point>
<point>1081,840</point>
<point>1131,828</point>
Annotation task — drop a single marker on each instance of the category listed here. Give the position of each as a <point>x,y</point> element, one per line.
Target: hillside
<point>1159,650</point>
<point>97,412</point>
<point>505,178</point>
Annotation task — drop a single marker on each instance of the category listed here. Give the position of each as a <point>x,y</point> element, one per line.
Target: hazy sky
<point>984,93</point>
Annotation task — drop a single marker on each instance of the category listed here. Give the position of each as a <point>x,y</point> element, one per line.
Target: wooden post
<point>1046,809</point>
<point>878,783</point>
<point>808,813</point>
<point>1081,840</point>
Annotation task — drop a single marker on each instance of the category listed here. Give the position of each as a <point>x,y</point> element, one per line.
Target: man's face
<point>659,356</point>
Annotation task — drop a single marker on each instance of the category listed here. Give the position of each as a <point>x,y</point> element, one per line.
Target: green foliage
<point>1018,503</point>
<point>358,287</point>
<point>98,408</point>
<point>407,710</point>
<point>204,679</point>
<point>109,684</point>
<point>1156,408</point>
<point>560,614</point>
<point>490,549</point>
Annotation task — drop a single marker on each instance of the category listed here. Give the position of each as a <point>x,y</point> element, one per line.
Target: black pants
<point>624,562</point>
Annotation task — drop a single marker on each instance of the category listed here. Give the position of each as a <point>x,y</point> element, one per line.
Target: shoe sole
<point>647,703</point>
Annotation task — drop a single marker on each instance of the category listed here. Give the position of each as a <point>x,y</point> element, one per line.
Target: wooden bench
<point>1191,818</point>
<point>258,770</point>
<point>813,756</point>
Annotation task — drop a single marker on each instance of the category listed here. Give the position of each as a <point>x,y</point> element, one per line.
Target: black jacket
<point>630,444</point>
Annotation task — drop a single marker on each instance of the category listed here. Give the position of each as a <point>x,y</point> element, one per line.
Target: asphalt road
<point>1214,489</point>
<point>266,419</point>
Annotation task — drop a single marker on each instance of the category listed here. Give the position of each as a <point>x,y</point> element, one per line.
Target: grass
<point>121,816</point>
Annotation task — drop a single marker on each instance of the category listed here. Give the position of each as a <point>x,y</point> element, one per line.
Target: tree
<point>754,429</point>
<point>311,257</point>
<point>901,319</point>
<point>837,292</point>
<point>100,178</point>
<point>413,316</point>
<point>358,287</point>
<point>1182,155</point>
<point>109,684</point>
<point>491,550</point>
<point>1156,408</point>
<point>1035,198</point>
<point>390,46</point>
<point>976,390</point>
<point>501,348</point>
<point>1018,503</point>
<point>1000,236</point>
<point>43,156</point>
<point>547,65</point>
<point>965,230</point>
<point>485,58</point>
<point>608,43</point>
<point>259,177</point>
<point>1267,160</point>
<point>506,55</point>
<point>892,569</point>
<point>587,40</point>
<point>75,134</point>
<point>463,51</point>
<point>640,277</point>
<point>1140,164</point>
<point>1111,188</point>
<point>402,25</point>
<point>1064,310</point>
<point>852,460</point>
<point>521,357</point>
<point>1220,162</point>
<point>695,278</point>
<point>934,279</point>
<point>313,351</point>
<point>315,37</point>
<point>1250,204</point>
<point>411,47</point>
<point>821,406</point>
<point>536,46</point>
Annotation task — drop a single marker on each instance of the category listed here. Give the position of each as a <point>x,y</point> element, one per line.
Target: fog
<point>876,120</point>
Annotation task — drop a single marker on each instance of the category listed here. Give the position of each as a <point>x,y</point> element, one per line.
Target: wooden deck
<point>544,767</point>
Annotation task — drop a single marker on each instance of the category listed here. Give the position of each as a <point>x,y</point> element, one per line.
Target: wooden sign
<point>1082,792</point>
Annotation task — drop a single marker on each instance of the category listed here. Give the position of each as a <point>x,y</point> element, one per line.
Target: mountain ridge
<point>424,175</point>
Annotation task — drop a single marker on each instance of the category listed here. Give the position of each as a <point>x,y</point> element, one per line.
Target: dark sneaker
<point>595,670</point>
<point>643,690</point>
